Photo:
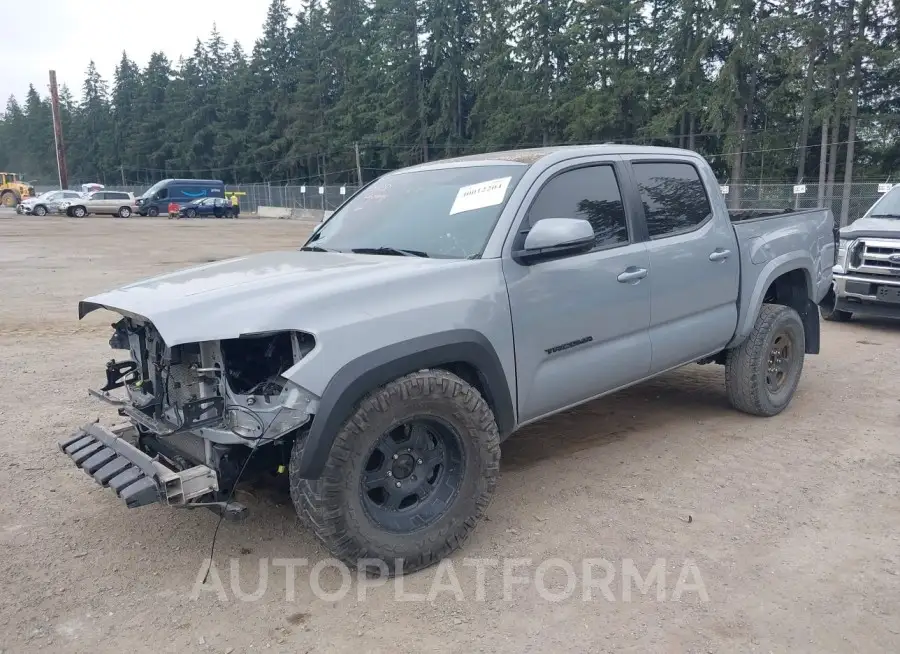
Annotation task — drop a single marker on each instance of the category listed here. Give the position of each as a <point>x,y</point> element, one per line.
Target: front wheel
<point>829,311</point>
<point>190,213</point>
<point>40,210</point>
<point>762,373</point>
<point>410,473</point>
<point>153,212</point>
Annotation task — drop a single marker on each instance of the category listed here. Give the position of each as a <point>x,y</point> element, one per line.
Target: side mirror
<point>553,238</point>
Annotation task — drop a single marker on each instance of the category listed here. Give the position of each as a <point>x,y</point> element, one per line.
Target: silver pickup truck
<point>438,310</point>
<point>867,274</point>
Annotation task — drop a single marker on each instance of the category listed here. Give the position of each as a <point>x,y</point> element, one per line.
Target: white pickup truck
<point>867,274</point>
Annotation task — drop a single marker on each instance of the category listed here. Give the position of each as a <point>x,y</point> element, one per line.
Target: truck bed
<point>739,215</point>
<point>772,242</point>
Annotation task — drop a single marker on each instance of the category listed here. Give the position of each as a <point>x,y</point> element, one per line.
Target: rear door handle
<point>632,274</point>
<point>720,255</point>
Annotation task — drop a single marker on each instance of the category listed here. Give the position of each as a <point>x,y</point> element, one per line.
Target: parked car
<point>867,274</point>
<point>155,200</point>
<point>112,203</point>
<point>216,207</point>
<point>437,311</point>
<point>45,202</point>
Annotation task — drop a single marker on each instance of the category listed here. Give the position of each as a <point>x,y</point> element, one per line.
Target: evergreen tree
<point>802,89</point>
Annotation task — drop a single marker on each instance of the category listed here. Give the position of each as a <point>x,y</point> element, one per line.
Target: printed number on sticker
<point>479,196</point>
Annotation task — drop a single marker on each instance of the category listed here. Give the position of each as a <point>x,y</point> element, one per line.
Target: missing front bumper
<point>136,478</point>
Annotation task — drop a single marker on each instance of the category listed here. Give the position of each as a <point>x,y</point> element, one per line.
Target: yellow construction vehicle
<point>13,190</point>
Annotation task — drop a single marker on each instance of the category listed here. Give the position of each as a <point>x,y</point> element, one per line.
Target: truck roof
<point>555,153</point>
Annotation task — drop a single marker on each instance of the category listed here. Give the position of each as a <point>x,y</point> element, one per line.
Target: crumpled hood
<point>872,227</point>
<point>257,293</point>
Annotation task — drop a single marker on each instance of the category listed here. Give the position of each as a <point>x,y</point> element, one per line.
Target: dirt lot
<point>792,522</point>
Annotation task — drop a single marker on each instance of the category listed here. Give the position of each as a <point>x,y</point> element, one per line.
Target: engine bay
<point>229,391</point>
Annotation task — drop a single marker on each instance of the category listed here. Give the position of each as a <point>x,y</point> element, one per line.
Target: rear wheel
<point>124,212</point>
<point>9,199</point>
<point>762,374</point>
<point>408,477</point>
<point>153,212</point>
<point>39,210</point>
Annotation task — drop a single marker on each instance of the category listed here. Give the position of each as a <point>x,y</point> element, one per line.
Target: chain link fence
<point>253,196</point>
<point>316,198</point>
<point>861,196</point>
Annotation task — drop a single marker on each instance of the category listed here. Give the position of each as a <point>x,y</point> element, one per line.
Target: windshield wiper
<point>885,215</point>
<point>316,248</point>
<point>390,250</point>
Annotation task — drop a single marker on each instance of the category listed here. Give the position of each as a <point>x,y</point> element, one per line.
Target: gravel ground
<point>792,523</point>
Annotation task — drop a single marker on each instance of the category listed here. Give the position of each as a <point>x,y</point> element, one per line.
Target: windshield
<point>888,206</point>
<point>445,213</point>
<point>153,189</point>
<point>47,195</point>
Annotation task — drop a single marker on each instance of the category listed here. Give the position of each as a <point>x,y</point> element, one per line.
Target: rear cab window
<point>590,193</point>
<point>673,197</point>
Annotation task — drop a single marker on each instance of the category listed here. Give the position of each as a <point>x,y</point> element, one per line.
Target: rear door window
<point>673,197</point>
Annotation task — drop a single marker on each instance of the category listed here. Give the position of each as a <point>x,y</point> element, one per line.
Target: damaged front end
<point>195,413</point>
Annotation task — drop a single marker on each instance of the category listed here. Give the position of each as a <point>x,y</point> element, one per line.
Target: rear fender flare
<point>374,369</point>
<point>769,273</point>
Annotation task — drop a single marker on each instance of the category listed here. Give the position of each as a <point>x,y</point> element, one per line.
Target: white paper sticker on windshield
<point>479,196</point>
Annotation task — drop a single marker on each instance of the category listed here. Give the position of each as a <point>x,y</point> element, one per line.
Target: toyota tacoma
<point>441,308</point>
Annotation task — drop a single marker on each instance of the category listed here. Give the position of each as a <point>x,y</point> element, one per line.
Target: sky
<point>64,35</point>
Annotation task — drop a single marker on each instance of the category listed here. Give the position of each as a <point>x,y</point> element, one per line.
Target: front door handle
<point>719,255</point>
<point>632,274</point>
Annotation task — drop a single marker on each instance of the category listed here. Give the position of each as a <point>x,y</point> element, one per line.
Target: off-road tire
<point>332,506</point>
<point>829,312</point>
<point>747,364</point>
<point>8,199</point>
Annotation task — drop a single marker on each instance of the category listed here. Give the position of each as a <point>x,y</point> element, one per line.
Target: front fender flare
<point>360,376</point>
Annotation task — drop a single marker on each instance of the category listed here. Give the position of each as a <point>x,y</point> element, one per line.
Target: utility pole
<point>57,134</point>
<point>358,168</point>
<point>122,172</point>
<point>324,182</point>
